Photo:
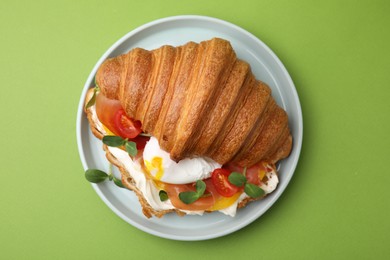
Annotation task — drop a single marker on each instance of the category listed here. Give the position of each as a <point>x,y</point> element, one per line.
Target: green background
<point>337,204</point>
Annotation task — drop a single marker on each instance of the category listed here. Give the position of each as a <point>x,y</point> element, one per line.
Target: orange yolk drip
<point>261,174</point>
<point>107,130</point>
<point>224,202</point>
<point>155,164</point>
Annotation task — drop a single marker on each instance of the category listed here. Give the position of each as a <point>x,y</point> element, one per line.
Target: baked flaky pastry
<point>199,100</point>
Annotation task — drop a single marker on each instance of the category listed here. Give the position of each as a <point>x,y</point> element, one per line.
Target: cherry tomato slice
<point>112,115</point>
<point>126,127</point>
<point>221,183</point>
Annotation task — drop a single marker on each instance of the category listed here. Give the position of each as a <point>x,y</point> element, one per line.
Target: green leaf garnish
<point>237,179</point>
<point>92,101</point>
<point>145,134</point>
<point>200,187</point>
<point>95,176</point>
<point>189,197</point>
<point>131,148</point>
<point>116,141</point>
<point>244,172</point>
<point>113,140</point>
<point>118,182</point>
<point>253,190</point>
<point>96,85</point>
<point>163,195</point>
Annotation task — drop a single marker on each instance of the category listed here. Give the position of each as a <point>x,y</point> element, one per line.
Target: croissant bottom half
<point>199,100</point>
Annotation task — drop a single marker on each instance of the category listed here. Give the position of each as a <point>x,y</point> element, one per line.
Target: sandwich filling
<point>153,171</point>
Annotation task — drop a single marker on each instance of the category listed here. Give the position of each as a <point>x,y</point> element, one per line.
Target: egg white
<point>162,168</point>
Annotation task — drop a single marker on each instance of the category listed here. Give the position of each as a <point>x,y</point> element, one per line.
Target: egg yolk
<point>107,130</point>
<point>261,174</point>
<point>155,166</point>
<point>224,202</point>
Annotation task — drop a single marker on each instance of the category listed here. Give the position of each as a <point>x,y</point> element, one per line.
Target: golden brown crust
<point>177,92</point>
<point>136,74</point>
<point>199,100</point>
<point>109,74</point>
<point>212,68</point>
<point>265,143</point>
<point>218,118</point>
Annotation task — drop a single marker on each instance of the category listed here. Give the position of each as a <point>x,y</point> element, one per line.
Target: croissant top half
<point>199,100</point>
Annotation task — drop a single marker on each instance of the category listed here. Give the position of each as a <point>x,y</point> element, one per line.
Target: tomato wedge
<point>126,127</point>
<point>221,183</point>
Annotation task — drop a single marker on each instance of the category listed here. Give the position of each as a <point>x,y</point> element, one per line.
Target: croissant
<point>199,100</point>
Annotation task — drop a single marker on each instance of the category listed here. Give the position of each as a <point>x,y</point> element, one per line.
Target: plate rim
<point>297,145</point>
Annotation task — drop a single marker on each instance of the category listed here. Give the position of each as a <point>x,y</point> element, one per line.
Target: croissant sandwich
<point>190,127</point>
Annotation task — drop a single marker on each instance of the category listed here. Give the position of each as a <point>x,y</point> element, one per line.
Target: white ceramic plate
<point>265,65</point>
